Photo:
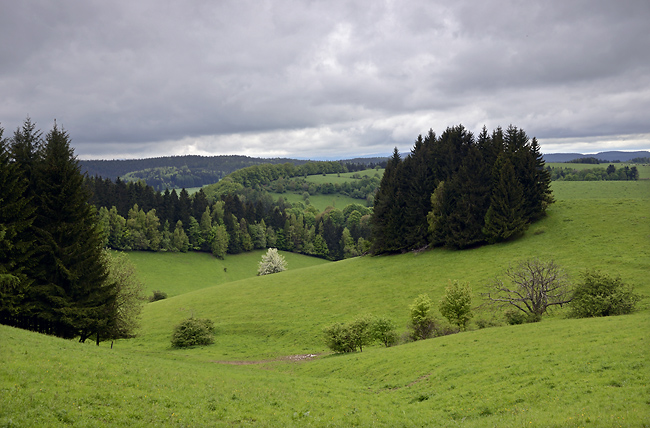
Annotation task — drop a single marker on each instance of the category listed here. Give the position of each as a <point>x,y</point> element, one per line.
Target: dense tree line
<point>459,190</point>
<point>136,217</point>
<point>54,277</point>
<point>594,174</point>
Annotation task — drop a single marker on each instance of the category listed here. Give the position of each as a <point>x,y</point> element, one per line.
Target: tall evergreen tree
<point>70,296</point>
<point>506,216</point>
<point>389,202</point>
<point>16,240</point>
<point>469,189</point>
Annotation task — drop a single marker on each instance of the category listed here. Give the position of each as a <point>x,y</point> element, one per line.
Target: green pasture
<point>321,202</point>
<point>178,273</point>
<point>343,177</point>
<point>557,373</point>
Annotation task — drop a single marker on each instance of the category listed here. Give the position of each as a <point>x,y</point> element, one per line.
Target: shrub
<point>338,338</point>
<point>422,325</point>
<point>193,332</point>
<point>383,330</point>
<point>600,295</point>
<point>157,295</point>
<point>515,317</point>
<point>456,304</point>
<point>272,262</point>
<point>363,331</point>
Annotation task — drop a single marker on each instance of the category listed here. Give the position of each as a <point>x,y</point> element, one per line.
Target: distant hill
<point>610,156</point>
<point>175,171</point>
<point>191,170</point>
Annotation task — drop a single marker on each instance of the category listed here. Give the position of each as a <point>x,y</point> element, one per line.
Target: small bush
<point>363,331</point>
<point>193,332</point>
<point>157,295</point>
<point>515,317</point>
<point>383,330</point>
<point>600,295</point>
<point>482,323</point>
<point>338,338</point>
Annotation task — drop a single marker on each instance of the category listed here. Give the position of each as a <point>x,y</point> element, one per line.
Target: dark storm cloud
<point>323,78</point>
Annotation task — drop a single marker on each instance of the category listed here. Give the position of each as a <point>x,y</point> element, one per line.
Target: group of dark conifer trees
<point>53,278</point>
<point>459,191</point>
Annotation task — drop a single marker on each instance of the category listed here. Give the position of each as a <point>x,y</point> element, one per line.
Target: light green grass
<point>573,373</point>
<point>557,373</point>
<point>284,313</point>
<point>321,202</point>
<point>178,273</point>
<point>343,177</point>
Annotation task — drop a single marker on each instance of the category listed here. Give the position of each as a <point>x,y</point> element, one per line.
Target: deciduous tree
<point>531,286</point>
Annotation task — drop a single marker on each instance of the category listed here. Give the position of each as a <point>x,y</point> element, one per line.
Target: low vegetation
<point>600,295</point>
<point>193,332</point>
<point>272,262</point>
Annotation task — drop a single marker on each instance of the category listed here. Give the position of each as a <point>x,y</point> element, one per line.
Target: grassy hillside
<point>168,272</point>
<point>560,372</point>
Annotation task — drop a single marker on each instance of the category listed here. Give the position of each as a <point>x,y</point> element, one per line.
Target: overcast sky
<point>324,79</point>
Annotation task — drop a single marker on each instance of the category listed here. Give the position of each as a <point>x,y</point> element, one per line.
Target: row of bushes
<point>598,295</point>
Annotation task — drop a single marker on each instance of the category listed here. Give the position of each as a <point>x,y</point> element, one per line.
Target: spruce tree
<point>386,220</point>
<point>506,216</point>
<point>70,296</point>
<point>470,191</point>
<point>16,240</point>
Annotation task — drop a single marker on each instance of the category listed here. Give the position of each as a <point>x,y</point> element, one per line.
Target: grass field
<point>557,373</point>
<point>321,202</point>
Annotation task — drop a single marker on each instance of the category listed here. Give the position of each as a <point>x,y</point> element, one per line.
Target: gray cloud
<point>323,78</point>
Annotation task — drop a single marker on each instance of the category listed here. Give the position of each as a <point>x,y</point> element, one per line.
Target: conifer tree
<point>70,293</point>
<point>386,220</point>
<point>505,217</point>
<point>16,241</point>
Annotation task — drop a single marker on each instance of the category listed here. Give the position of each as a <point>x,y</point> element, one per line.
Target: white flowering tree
<point>272,262</point>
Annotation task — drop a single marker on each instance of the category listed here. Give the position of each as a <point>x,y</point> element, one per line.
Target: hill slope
<point>557,373</point>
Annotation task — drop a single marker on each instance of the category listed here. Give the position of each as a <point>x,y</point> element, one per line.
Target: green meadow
<point>270,367</point>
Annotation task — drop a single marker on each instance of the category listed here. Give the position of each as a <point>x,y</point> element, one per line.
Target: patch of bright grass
<point>178,273</point>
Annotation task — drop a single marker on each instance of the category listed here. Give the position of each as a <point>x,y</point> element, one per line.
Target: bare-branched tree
<point>531,286</point>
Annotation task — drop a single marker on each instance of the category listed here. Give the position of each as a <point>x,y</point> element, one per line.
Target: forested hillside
<point>176,172</point>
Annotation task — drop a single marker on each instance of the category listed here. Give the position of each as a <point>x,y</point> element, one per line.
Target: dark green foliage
<point>460,191</point>
<point>193,332</point>
<point>157,295</point>
<point>505,217</point>
<point>516,317</point>
<point>16,239</point>
<point>600,295</point>
<point>67,292</point>
<point>70,288</point>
